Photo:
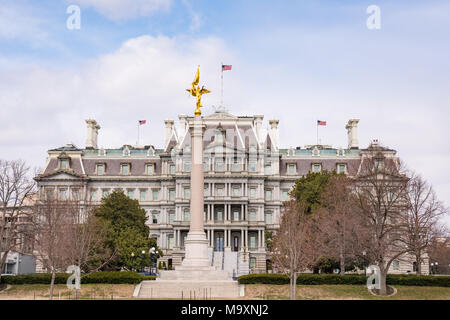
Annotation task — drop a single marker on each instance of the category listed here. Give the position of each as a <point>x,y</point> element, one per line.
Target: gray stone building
<point>247,177</point>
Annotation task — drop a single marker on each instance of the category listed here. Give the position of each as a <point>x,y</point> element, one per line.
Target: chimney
<point>258,124</point>
<point>274,129</point>
<point>352,133</point>
<point>183,125</point>
<point>169,128</point>
<point>92,134</point>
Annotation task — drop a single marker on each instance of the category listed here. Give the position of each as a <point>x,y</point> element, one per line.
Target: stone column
<point>196,242</point>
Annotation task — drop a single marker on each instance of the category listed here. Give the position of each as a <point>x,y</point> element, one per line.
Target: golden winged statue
<point>197,92</point>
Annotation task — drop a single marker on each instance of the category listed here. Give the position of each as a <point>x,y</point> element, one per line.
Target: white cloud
<point>145,78</point>
<point>125,9</point>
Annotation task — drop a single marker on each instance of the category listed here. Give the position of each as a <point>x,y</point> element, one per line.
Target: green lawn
<point>252,291</point>
<point>332,292</point>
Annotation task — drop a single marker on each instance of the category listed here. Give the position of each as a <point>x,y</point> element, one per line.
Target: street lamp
<point>143,257</point>
<point>152,263</point>
<point>364,262</point>
<point>132,260</point>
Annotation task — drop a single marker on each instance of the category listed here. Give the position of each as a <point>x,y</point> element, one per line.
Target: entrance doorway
<point>236,243</point>
<point>219,241</point>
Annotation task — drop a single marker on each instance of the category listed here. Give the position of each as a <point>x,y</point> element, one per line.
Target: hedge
<point>113,277</point>
<point>316,279</point>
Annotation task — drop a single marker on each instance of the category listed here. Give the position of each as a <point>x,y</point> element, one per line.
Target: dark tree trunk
<point>52,284</point>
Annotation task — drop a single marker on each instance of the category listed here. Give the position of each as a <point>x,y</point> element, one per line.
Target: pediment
<point>220,115</point>
<point>61,175</point>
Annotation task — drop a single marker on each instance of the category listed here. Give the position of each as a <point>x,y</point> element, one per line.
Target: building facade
<point>247,177</point>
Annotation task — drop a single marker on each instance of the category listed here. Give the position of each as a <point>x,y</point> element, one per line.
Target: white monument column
<point>196,244</point>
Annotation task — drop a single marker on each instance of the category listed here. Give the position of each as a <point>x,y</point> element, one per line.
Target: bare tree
<point>422,219</point>
<point>343,228</point>
<point>380,189</point>
<point>16,188</point>
<point>52,227</point>
<point>87,233</point>
<point>294,248</point>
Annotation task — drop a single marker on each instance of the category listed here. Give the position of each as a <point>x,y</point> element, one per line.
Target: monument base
<point>196,252</point>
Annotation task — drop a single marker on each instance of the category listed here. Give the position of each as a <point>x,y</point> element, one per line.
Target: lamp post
<point>364,262</point>
<point>152,263</point>
<point>132,261</point>
<point>143,257</point>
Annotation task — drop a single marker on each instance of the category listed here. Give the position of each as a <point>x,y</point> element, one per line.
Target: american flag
<point>226,67</point>
<point>321,123</point>
<point>142,122</point>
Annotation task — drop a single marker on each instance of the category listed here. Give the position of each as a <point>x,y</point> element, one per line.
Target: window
<point>131,194</point>
<point>172,194</point>
<point>285,196</point>
<point>172,169</point>
<point>125,168</point>
<point>219,215</point>
<point>100,169</point>
<point>170,241</point>
<point>291,168</point>
<point>75,194</point>
<point>187,193</point>
<point>187,167</point>
<point>268,169</point>
<point>186,215</point>
<point>317,167</point>
<point>171,217</point>
<point>205,191</point>
<point>252,215</point>
<point>64,164</point>
<point>62,194</point>
<point>236,166</point>
<point>93,195</point>
<point>236,191</point>
<point>143,195</point>
<point>155,194</point>
<point>220,190</point>
<point>341,168</point>
<point>269,217</point>
<point>252,263</point>
<point>154,218</point>
<point>252,166</point>
<point>395,265</point>
<point>378,163</point>
<point>252,242</point>
<point>105,193</point>
<point>219,165</point>
<point>236,215</point>
<point>150,169</point>
<point>252,193</point>
<point>268,195</point>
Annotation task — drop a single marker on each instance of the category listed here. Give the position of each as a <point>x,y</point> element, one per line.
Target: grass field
<point>252,291</point>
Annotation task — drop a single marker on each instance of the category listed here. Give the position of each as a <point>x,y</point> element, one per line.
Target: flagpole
<point>317,124</point>
<point>137,143</point>
<point>221,91</point>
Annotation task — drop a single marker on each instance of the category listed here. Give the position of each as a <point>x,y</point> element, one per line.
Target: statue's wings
<point>192,91</point>
<point>203,91</point>
<point>197,77</point>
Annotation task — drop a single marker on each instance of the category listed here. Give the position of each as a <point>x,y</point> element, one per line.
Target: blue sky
<point>297,61</point>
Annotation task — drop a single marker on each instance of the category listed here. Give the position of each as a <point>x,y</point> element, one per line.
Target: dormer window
<point>125,168</point>
<point>100,169</point>
<point>64,164</point>
<point>291,168</point>
<point>341,168</point>
<point>378,163</point>
<point>150,169</point>
<point>316,167</point>
<point>172,169</point>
